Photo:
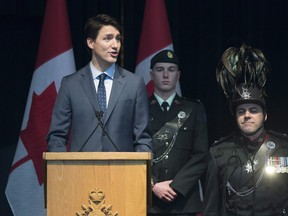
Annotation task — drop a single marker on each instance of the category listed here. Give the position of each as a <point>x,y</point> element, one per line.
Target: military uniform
<point>181,158</point>
<point>235,187</point>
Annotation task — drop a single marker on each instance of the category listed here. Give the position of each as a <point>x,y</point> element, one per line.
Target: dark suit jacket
<point>186,162</point>
<point>125,121</point>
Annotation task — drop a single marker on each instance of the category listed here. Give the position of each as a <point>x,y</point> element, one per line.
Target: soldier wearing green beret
<point>180,143</point>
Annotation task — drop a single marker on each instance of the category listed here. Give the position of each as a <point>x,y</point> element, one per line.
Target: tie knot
<point>102,77</point>
<point>165,105</point>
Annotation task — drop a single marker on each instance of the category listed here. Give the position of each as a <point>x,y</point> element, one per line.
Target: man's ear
<point>90,42</point>
<point>179,74</point>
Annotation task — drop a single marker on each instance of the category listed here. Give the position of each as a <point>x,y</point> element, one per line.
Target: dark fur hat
<point>242,74</point>
<point>248,94</point>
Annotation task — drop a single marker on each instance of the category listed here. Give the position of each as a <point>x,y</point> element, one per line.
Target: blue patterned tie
<point>102,92</point>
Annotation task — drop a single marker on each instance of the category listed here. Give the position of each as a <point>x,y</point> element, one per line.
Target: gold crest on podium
<point>97,206</point>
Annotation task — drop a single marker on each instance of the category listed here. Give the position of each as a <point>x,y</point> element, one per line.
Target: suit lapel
<point>175,107</point>
<point>117,88</point>
<point>87,84</point>
<point>156,110</point>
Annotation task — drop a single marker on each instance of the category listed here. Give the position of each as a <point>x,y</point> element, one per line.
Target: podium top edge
<point>97,156</point>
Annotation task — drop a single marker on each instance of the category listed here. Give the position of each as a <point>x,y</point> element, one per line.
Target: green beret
<point>165,56</point>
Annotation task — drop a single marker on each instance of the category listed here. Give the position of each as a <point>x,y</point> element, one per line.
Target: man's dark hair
<point>94,24</point>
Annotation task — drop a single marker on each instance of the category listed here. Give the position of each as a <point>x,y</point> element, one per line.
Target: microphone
<point>83,145</point>
<point>99,116</point>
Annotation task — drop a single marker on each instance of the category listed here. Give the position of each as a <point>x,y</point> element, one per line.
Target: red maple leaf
<point>33,136</point>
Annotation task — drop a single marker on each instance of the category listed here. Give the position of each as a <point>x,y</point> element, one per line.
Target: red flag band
<point>55,59</point>
<point>155,36</point>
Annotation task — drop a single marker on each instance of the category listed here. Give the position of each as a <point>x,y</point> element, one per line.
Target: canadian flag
<point>155,36</point>
<point>55,59</point>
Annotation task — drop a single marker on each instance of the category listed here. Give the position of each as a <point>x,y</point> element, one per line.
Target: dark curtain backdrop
<point>201,31</point>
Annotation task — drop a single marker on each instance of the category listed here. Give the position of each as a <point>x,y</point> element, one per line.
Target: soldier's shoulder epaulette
<point>192,100</point>
<point>223,139</point>
<point>278,135</point>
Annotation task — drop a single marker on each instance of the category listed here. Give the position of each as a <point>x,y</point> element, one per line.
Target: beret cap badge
<point>164,56</point>
<point>170,54</point>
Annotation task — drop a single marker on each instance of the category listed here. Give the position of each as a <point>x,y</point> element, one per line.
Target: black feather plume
<point>243,65</point>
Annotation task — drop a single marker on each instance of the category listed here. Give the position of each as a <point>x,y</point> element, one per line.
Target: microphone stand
<point>81,149</point>
<point>99,116</point>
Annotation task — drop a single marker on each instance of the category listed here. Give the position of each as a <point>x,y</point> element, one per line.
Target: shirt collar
<point>169,100</point>
<point>95,72</point>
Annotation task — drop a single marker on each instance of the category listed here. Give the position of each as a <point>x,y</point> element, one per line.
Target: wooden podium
<point>97,183</point>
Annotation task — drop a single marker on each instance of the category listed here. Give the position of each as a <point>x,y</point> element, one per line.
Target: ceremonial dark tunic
<point>263,193</point>
<point>186,162</point>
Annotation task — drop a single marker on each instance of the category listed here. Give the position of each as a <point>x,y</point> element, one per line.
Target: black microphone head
<point>99,114</point>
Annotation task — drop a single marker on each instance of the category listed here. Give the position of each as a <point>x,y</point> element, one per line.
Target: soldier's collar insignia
<point>177,102</point>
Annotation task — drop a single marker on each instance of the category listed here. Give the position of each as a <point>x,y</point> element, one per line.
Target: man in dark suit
<point>180,142</point>
<point>109,114</point>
